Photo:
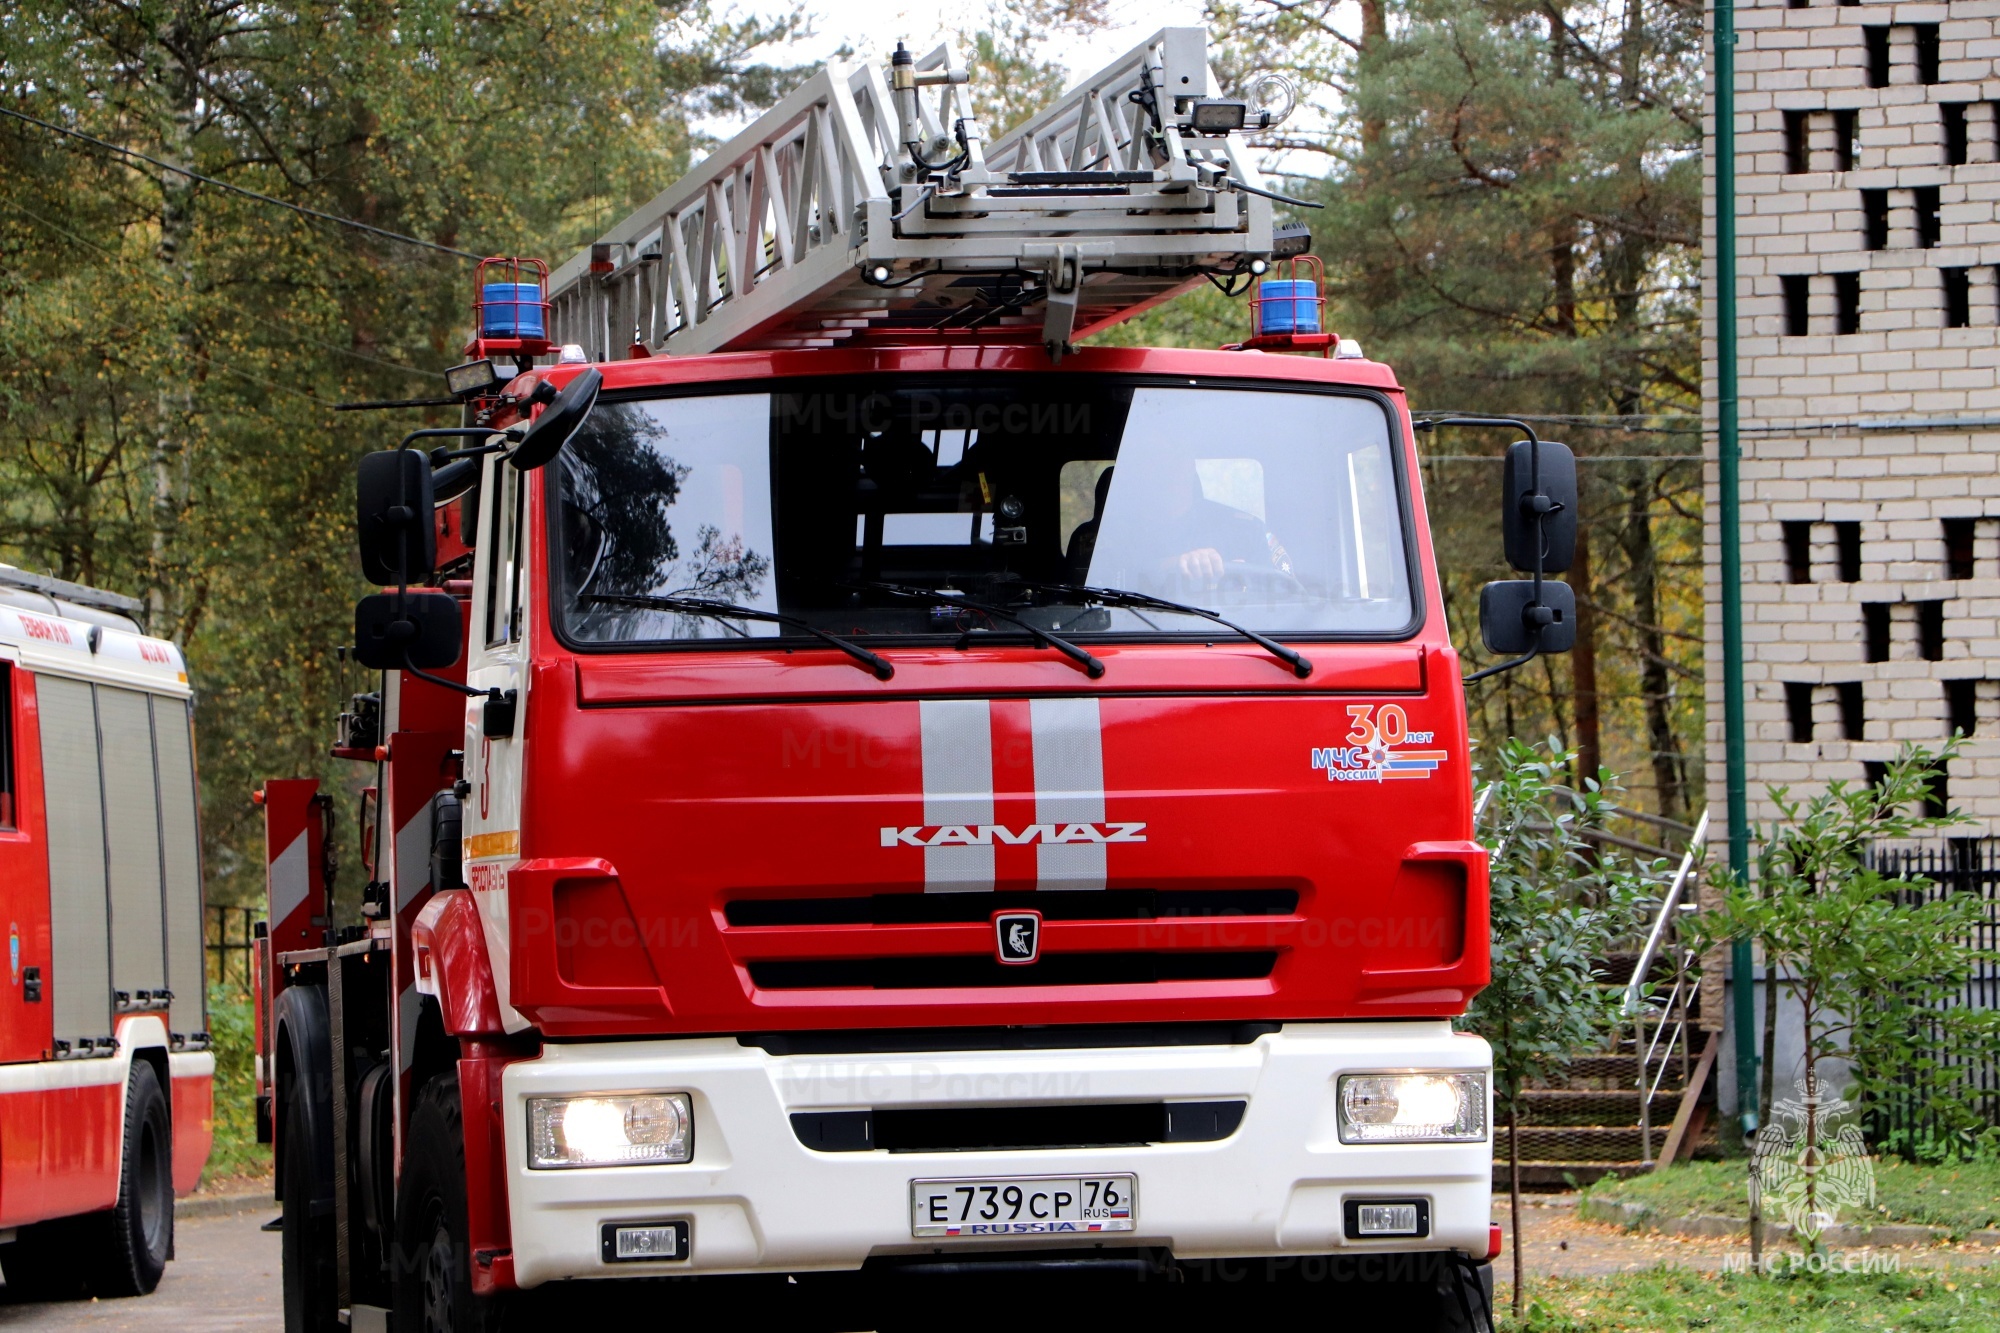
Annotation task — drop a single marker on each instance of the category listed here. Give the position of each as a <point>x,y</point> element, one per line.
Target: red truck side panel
<point>25,1029</point>
<point>193,1110</point>
<point>62,1142</point>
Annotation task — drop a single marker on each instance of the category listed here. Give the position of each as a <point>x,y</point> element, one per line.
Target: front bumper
<point>758,1200</point>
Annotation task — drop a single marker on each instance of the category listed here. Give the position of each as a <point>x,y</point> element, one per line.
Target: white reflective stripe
<point>958,789</point>
<point>289,880</point>
<point>1069,789</point>
<point>413,856</point>
<point>54,1075</point>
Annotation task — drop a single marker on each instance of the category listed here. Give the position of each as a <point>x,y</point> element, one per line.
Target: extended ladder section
<point>861,209</point>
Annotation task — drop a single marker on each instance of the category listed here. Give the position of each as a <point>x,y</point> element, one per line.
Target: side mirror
<point>393,499</point>
<point>1544,517</point>
<point>419,629</point>
<point>1512,622</point>
<point>558,422</point>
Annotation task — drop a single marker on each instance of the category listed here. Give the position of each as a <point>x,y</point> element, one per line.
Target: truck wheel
<point>128,1246</point>
<point>433,1263</point>
<point>305,1242</point>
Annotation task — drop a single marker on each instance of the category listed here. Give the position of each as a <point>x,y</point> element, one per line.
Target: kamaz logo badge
<point>988,835</point>
<point>1017,936</point>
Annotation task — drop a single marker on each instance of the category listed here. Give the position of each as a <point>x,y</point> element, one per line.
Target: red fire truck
<point>870,797</point>
<point>105,1073</point>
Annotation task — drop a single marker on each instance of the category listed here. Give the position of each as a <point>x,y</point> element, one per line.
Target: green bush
<point>232,1028</point>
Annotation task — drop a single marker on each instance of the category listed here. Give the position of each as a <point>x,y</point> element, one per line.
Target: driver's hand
<point>1202,567</point>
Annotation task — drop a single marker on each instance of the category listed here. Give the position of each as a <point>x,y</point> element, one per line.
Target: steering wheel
<point>1251,578</point>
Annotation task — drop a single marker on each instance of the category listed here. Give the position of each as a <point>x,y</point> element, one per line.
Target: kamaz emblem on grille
<point>987,835</point>
<point>1017,936</point>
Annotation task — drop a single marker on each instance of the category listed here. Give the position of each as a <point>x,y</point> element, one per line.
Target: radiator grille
<point>901,909</point>
<point>958,971</point>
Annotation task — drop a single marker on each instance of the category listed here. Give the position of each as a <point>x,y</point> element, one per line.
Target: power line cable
<point>334,218</point>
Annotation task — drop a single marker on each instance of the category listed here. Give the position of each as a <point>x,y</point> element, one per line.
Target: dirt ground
<point>1559,1242</point>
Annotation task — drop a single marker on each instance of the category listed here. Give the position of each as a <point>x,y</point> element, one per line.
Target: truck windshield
<point>1278,508</point>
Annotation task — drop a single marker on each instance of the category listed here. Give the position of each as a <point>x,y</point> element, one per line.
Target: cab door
<point>26,1002</point>
<point>496,646</point>
<point>24,876</point>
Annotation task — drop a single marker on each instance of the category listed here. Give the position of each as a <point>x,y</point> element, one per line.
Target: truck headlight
<point>1442,1106</point>
<point>636,1130</point>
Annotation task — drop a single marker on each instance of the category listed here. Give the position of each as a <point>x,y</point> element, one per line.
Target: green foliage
<point>1963,1197</point>
<point>1873,961</point>
<point>233,1037</point>
<point>1558,905</point>
<point>170,354</point>
<point>1675,1300</point>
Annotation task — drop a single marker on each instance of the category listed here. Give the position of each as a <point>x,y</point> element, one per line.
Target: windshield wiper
<point>1122,597</point>
<point>702,606</point>
<point>1092,667</point>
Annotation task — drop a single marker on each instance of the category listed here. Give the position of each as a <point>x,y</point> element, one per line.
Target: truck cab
<point>1048,889</point>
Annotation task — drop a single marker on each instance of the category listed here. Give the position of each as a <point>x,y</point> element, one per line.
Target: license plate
<point>1023,1205</point>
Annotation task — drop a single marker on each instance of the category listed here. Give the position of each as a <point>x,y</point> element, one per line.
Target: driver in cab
<point>1187,542</point>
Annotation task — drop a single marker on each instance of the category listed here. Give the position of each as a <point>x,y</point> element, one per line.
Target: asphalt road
<point>224,1279</point>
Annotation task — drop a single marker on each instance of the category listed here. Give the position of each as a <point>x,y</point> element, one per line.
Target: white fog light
<point>644,1129</point>
<point>1441,1107</point>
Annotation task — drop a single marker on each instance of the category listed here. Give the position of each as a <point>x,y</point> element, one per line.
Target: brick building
<point>1868,231</point>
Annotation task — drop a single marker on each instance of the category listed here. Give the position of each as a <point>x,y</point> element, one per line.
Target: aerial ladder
<point>862,209</point>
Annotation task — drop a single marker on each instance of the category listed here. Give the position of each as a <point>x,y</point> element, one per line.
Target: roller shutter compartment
<point>180,846</point>
<point>80,921</point>
<point>132,837</point>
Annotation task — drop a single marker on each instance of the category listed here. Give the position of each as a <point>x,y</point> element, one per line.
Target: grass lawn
<point>1671,1300</point>
<point>1962,1198</point>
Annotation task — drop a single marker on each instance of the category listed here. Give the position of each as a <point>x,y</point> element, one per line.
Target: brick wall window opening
<point>1926,35</point>
<point>1847,547</point>
<point>1798,552</point>
<point>1798,303</point>
<point>1954,132</point>
<point>1875,219</point>
<point>1930,219</point>
<point>1789,4</point>
<point>1937,793</point>
<point>1961,707</point>
<point>1930,631</point>
<point>1874,772</point>
<point>1877,39</point>
<point>1847,303</point>
<point>1853,709</point>
<point>1798,152</point>
<point>1957,284</point>
<point>1846,136</point>
<point>1798,710</point>
<point>1959,535</point>
<point>1875,630</point>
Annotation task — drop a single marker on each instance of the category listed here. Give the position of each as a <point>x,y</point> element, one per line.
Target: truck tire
<point>306,1241</point>
<point>432,1266</point>
<point>127,1248</point>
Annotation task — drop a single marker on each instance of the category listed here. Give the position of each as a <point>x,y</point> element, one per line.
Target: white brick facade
<point>1829,387</point>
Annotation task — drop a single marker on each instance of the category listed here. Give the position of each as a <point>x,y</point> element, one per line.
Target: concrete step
<point>1593,1106</point>
<point>1579,1143</point>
